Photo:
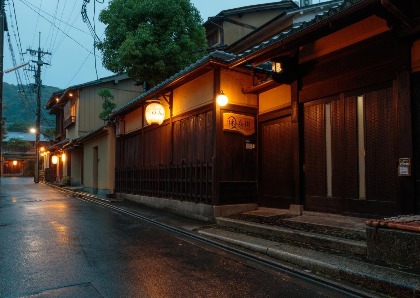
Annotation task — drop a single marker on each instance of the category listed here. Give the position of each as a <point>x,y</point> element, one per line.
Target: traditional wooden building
<point>332,126</point>
<point>82,148</point>
<point>338,121</point>
<point>201,160</point>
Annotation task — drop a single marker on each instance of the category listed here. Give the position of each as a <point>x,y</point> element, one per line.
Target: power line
<point>56,27</point>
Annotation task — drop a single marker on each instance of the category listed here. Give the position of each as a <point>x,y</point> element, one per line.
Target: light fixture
<point>42,149</point>
<point>155,113</point>
<point>54,159</point>
<point>222,99</point>
<point>63,157</point>
<point>70,94</point>
<point>32,130</point>
<point>57,99</point>
<point>14,162</point>
<point>276,67</point>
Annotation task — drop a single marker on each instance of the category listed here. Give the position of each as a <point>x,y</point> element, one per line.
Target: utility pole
<point>2,29</point>
<point>38,84</point>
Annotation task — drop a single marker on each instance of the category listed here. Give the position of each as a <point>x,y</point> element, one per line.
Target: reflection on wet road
<point>53,245</point>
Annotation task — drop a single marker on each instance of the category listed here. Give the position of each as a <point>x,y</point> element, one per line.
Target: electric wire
<point>24,2</point>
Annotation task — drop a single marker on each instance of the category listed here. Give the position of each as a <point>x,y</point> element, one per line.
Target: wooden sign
<point>242,124</point>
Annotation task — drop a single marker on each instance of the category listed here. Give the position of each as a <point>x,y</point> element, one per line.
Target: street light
<point>36,132</point>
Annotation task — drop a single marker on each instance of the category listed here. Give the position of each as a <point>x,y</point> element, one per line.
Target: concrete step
<point>385,280</point>
<point>319,240</point>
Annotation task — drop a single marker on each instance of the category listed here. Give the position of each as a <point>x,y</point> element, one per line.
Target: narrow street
<point>54,245</point>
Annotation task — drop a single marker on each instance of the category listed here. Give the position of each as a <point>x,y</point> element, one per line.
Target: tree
<point>107,103</point>
<point>151,39</point>
<point>18,144</point>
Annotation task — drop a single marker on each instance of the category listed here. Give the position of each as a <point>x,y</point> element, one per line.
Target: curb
<point>373,277</point>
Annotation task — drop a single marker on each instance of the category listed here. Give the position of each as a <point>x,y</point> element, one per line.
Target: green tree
<point>18,144</point>
<point>108,103</point>
<point>151,39</point>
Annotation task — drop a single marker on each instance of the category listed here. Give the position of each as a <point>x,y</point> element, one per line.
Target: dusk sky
<point>67,37</point>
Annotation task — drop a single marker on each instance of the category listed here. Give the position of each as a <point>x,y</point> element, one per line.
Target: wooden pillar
<point>217,135</point>
<point>297,145</point>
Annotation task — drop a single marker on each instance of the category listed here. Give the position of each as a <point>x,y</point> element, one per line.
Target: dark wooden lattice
<point>315,159</point>
<point>381,160</point>
<point>276,178</point>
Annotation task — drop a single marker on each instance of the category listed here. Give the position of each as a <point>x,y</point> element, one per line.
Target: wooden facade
<point>348,119</point>
<point>335,131</point>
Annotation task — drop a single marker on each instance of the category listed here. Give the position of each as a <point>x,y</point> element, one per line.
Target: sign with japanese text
<point>242,124</point>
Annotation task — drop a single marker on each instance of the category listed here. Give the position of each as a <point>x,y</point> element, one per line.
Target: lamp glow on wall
<point>54,159</point>
<point>155,113</point>
<point>222,99</point>
<point>63,157</point>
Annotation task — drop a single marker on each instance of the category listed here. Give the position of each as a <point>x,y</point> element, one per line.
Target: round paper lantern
<point>155,113</point>
<point>54,159</point>
<point>222,99</point>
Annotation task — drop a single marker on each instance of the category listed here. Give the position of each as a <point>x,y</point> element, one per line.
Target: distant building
<point>20,160</point>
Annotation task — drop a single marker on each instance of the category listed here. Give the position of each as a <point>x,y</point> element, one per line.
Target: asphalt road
<point>54,245</point>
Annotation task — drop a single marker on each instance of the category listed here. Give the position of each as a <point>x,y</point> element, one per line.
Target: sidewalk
<point>324,245</point>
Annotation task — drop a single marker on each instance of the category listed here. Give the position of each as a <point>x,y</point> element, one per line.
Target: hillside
<point>17,109</point>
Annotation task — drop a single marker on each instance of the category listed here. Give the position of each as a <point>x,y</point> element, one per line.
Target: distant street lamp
<point>36,132</point>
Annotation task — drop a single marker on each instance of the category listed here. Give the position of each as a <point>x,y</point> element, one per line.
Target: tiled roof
<point>301,27</point>
<point>216,55</point>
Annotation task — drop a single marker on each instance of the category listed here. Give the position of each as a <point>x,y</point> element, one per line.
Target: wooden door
<point>276,163</point>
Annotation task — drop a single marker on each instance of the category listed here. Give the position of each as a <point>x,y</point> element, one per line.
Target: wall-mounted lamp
<point>155,113</point>
<point>276,67</point>
<point>54,159</point>
<point>63,157</point>
<point>57,99</point>
<point>70,94</point>
<point>32,130</point>
<point>222,99</point>
<point>14,162</point>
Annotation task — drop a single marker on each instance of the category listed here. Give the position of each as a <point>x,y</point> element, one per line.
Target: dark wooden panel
<point>345,175</point>
<point>315,159</point>
<point>381,160</point>
<point>276,183</point>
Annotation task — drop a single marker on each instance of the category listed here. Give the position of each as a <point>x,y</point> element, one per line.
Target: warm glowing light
<point>14,162</point>
<point>54,159</point>
<point>276,67</point>
<point>71,94</point>
<point>222,99</point>
<point>63,157</point>
<point>155,113</point>
<point>42,149</point>
<point>32,130</point>
<point>57,99</point>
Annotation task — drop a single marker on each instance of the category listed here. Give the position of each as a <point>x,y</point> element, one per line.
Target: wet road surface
<point>54,245</point>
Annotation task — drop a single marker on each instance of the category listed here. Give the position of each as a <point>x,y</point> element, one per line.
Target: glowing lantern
<point>63,157</point>
<point>14,162</point>
<point>222,99</point>
<point>54,159</point>
<point>155,113</point>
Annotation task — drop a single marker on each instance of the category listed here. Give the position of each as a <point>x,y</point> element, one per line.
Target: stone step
<point>319,240</point>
